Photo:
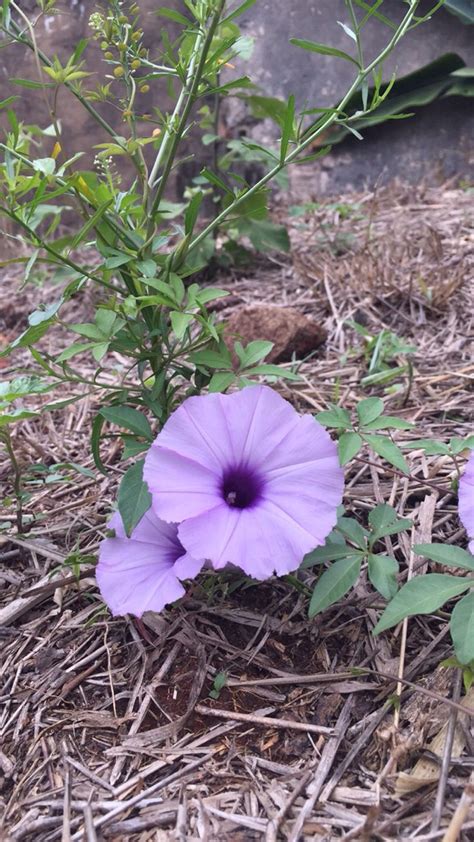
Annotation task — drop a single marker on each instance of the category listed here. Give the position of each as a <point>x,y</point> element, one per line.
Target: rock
<point>289,330</point>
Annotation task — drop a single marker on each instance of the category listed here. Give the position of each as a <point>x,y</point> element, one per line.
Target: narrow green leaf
<point>191,212</point>
<point>446,554</point>
<point>90,224</point>
<point>322,49</point>
<point>131,419</point>
<point>133,498</point>
<point>330,552</point>
<point>386,422</point>
<point>72,350</point>
<point>97,425</point>
<point>369,409</point>
<point>253,352</point>
<point>352,530</point>
<point>273,371</point>
<point>388,450</point>
<point>288,128</point>
<point>180,322</point>
<point>462,629</point>
<point>212,359</point>
<point>384,521</point>
<point>348,445</point>
<point>431,448</point>
<point>221,380</point>
<point>46,166</point>
<point>336,417</point>
<point>382,572</point>
<point>334,583</point>
<point>239,10</point>
<point>173,15</point>
<point>421,595</point>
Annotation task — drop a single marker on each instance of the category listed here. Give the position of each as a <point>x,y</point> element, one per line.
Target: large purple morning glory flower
<point>250,482</point>
<point>142,573</point>
<point>466,500</point>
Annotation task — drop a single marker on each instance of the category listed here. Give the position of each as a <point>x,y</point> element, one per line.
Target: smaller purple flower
<point>466,500</point>
<point>143,572</point>
<point>250,482</point>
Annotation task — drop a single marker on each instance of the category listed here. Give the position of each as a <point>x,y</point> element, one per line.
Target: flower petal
<point>198,431</point>
<point>466,500</point>
<point>260,541</point>
<point>133,578</point>
<point>141,573</point>
<point>179,486</point>
<point>258,419</point>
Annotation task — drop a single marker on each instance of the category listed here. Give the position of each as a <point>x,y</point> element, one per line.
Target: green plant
<point>366,429</point>
<point>382,353</point>
<point>349,546</point>
<point>140,250</point>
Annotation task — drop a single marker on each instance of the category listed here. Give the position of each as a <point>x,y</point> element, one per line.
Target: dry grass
<point>107,728</point>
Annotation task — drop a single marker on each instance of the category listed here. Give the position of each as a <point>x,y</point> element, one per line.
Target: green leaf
<point>212,359</point>
<point>446,554</point>
<point>330,552</point>
<point>386,422</point>
<point>210,294</point>
<point>288,129</point>
<point>117,260</point>
<point>322,49</point>
<point>132,447</point>
<point>384,521</point>
<point>334,583</point>
<point>385,376</point>
<point>369,409</point>
<point>46,166</point>
<point>15,415</point>
<point>72,350</point>
<point>29,83</point>
<point>180,322</point>
<point>107,322</point>
<point>352,530</point>
<point>247,4</point>
<point>134,499</point>
<point>253,352</point>
<point>221,380</point>
<point>273,371</point>
<point>382,572</point>
<point>336,417</point>
<point>348,445</point>
<point>99,350</point>
<point>462,629</point>
<point>191,212</point>
<point>131,419</point>
<point>431,448</point>
<point>388,450</point>
<point>97,425</point>
<point>421,595</point>
<point>173,15</point>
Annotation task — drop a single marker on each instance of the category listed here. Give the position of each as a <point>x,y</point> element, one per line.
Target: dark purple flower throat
<point>241,487</point>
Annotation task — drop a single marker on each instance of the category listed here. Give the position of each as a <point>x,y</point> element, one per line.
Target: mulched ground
<point>107,727</point>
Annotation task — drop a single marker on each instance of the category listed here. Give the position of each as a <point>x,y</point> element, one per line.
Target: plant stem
<point>185,102</point>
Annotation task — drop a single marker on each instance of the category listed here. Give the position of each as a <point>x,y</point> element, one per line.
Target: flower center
<point>241,487</point>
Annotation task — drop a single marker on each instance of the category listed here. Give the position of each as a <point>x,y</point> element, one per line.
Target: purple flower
<point>142,573</point>
<point>250,482</point>
<point>466,500</point>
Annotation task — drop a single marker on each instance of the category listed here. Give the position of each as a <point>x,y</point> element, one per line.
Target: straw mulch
<point>108,730</point>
